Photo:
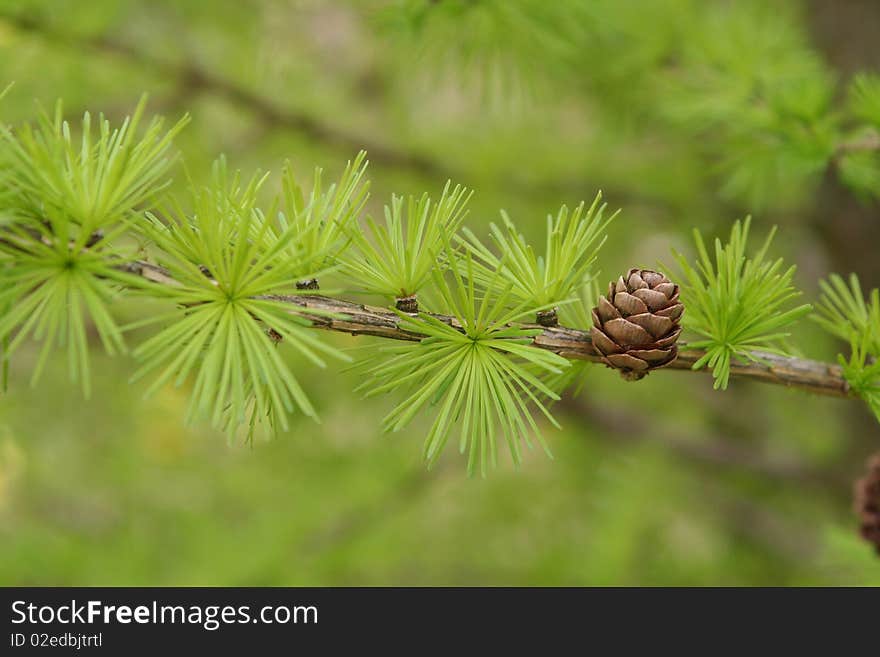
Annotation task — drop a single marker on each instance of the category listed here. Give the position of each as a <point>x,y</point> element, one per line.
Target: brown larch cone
<point>867,503</point>
<point>635,327</point>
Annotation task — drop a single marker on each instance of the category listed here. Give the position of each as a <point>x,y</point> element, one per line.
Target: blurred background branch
<point>190,80</point>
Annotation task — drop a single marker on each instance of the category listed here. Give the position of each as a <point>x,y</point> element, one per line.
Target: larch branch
<point>575,344</point>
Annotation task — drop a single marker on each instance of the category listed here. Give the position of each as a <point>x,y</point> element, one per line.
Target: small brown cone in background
<point>867,503</point>
<point>636,325</point>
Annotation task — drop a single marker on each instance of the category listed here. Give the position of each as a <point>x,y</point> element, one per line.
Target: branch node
<point>274,335</point>
<point>94,238</point>
<point>408,304</point>
<point>311,284</point>
<point>548,317</point>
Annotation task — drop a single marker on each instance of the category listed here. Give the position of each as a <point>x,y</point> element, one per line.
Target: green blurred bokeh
<point>663,482</point>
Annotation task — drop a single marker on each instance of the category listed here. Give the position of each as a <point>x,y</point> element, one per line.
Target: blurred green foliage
<point>685,113</point>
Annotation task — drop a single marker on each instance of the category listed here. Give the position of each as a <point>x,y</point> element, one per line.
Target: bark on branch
<point>575,344</point>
